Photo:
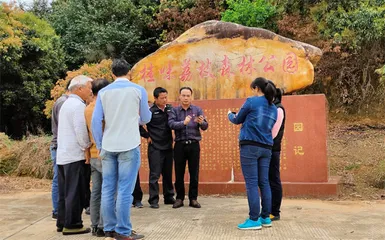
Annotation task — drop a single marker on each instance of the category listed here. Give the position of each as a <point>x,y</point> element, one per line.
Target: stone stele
<point>220,59</point>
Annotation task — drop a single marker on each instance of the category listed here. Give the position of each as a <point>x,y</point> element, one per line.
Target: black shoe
<point>169,201</point>
<point>274,218</point>
<point>154,205</point>
<point>59,229</point>
<point>98,232</point>
<point>94,230</point>
<point>138,204</point>
<point>194,204</point>
<point>178,203</point>
<point>54,216</point>
<point>110,234</point>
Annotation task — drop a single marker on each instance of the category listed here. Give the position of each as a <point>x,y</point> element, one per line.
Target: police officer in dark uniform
<point>160,156</point>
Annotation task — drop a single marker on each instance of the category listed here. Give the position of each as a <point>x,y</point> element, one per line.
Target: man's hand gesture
<point>187,120</point>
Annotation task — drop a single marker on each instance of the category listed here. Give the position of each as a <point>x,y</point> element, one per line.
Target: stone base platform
<point>290,189</point>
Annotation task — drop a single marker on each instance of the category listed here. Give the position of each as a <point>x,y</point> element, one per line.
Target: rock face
<point>220,59</point>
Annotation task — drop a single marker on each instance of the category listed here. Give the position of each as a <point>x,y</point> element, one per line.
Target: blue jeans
<point>55,189</point>
<point>120,170</point>
<point>255,162</point>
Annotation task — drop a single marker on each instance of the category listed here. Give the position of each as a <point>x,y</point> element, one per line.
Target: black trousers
<point>191,154</point>
<point>138,193</point>
<point>71,195</point>
<point>160,162</point>
<point>87,180</point>
<point>275,183</point>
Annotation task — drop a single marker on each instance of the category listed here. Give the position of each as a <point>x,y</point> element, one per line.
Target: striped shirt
<point>122,105</point>
<point>192,130</point>
<point>72,137</point>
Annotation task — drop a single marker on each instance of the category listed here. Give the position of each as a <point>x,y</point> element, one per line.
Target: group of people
<point>97,128</point>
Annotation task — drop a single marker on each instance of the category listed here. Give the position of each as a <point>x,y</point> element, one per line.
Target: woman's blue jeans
<point>255,162</point>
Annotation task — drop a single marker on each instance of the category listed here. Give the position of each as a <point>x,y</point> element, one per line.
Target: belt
<point>187,142</point>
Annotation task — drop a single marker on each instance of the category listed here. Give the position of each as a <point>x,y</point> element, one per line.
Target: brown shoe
<point>178,203</point>
<point>194,204</point>
<point>121,237</point>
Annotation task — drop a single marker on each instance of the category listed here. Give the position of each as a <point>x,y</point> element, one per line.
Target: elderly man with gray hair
<point>72,154</point>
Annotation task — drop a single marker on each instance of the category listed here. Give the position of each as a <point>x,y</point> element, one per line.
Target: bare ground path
<point>26,215</point>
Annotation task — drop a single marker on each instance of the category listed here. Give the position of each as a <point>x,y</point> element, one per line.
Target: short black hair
<point>183,88</point>
<point>98,84</point>
<point>158,91</point>
<point>120,67</point>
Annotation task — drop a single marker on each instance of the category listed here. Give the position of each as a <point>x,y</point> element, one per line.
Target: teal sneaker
<point>250,225</point>
<point>266,222</point>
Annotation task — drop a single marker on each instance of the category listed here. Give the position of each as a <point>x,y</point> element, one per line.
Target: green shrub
<point>259,13</point>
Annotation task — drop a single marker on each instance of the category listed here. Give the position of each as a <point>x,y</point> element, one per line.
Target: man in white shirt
<point>123,106</point>
<point>72,154</point>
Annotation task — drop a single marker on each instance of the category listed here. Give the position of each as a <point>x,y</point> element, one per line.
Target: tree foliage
<point>31,60</point>
<point>352,24</point>
<point>175,17</point>
<point>95,71</point>
<point>41,8</point>
<point>258,13</point>
<point>353,33</point>
<point>92,30</point>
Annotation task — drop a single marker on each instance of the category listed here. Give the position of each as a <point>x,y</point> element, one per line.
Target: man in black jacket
<point>159,138</point>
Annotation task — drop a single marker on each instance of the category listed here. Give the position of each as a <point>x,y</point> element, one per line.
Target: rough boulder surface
<point>220,59</point>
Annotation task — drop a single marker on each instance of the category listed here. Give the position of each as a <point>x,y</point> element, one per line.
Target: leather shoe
<point>194,204</point>
<point>178,203</point>
<point>154,205</point>
<point>169,201</point>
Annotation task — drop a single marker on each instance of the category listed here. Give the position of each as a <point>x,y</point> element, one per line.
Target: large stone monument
<point>219,60</point>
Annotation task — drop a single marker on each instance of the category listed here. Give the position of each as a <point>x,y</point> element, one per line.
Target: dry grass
<point>34,157</point>
<point>357,153</point>
<point>30,157</point>
<point>8,157</point>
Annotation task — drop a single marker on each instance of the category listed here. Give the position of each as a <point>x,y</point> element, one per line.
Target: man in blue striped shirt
<point>122,105</point>
<point>187,120</point>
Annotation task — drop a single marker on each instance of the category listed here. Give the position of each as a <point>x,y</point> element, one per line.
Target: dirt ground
<point>27,216</point>
<point>23,184</point>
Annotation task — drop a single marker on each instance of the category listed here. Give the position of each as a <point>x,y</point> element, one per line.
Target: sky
<point>19,1</point>
<point>23,1</point>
